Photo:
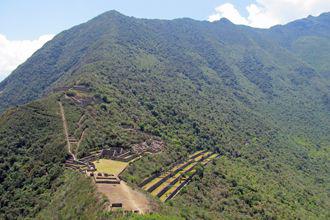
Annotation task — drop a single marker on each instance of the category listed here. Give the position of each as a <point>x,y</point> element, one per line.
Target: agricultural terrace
<point>179,183</point>
<point>169,183</point>
<point>110,166</point>
<point>191,164</point>
<point>172,171</point>
<point>175,186</point>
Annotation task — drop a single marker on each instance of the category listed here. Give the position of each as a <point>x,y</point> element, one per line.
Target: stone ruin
<point>126,155</point>
<point>105,178</point>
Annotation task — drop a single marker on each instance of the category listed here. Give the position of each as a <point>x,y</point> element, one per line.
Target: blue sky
<point>28,19</point>
<point>25,25</point>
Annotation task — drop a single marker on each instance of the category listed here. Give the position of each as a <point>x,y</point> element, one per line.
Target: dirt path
<point>65,128</point>
<point>80,120</point>
<point>132,200</point>
<point>80,140</point>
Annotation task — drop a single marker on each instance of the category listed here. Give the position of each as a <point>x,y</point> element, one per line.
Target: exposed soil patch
<point>130,199</point>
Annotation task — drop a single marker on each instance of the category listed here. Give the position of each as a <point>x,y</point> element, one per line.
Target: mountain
<point>308,39</point>
<point>258,96</point>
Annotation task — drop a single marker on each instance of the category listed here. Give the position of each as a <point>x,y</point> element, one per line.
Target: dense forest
<point>259,97</point>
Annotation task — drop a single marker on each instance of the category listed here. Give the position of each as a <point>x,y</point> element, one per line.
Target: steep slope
<point>80,198</point>
<point>31,155</point>
<point>241,91</point>
<point>308,39</point>
<point>244,63</point>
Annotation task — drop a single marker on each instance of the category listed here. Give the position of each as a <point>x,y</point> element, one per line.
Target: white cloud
<point>13,53</point>
<point>267,13</point>
<point>228,11</point>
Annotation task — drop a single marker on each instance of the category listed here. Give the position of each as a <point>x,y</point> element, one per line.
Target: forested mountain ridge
<point>72,47</point>
<point>260,96</point>
<point>308,39</point>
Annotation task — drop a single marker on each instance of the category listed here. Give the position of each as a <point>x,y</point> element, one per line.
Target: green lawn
<point>110,166</point>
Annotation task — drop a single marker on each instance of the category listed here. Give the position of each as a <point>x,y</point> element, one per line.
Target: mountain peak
<point>257,97</point>
<point>111,14</point>
<point>325,14</point>
<point>224,21</point>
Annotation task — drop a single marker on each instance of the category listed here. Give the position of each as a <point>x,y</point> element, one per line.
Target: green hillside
<point>259,97</point>
<point>32,151</point>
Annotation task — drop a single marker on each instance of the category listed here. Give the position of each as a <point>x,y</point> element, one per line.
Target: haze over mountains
<point>259,96</point>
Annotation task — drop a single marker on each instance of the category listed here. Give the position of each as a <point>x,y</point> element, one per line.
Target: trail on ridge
<point>65,128</point>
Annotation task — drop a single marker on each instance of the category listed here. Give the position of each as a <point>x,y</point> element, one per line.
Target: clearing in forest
<point>119,194</point>
<point>169,183</point>
<point>130,200</point>
<point>176,168</point>
<point>110,166</point>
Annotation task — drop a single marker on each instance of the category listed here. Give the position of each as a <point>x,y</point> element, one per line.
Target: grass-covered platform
<point>110,166</point>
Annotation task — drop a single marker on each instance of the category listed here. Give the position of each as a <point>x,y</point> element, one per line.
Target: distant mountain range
<point>261,97</point>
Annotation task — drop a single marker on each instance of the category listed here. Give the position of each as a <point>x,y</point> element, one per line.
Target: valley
<point>128,118</point>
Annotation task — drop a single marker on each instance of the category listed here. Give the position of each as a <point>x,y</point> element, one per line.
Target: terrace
<point>169,183</point>
<point>110,166</point>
